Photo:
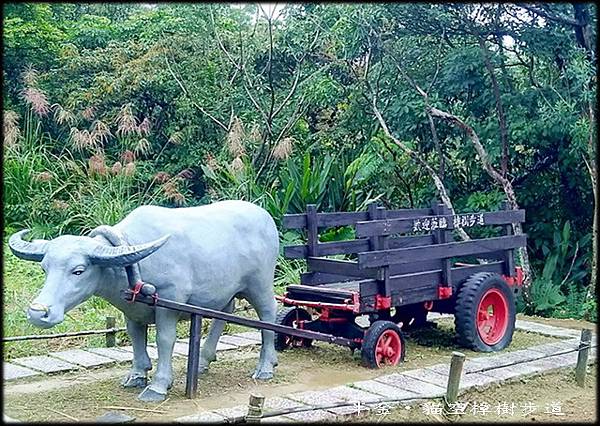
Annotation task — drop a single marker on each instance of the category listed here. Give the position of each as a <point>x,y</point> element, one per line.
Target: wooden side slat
<point>395,226</point>
<point>295,221</point>
<point>438,251</point>
<point>318,278</point>
<point>354,246</point>
<point>339,267</point>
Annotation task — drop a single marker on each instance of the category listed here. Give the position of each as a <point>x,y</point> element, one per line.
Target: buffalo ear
<point>125,255</point>
<point>34,250</point>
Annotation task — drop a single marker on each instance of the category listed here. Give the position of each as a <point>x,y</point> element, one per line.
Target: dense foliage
<point>108,106</point>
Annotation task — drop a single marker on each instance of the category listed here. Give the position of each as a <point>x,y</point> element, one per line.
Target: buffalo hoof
<point>263,375</point>
<point>151,395</point>
<point>134,382</point>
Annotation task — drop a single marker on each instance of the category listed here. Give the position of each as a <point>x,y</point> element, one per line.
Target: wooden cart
<point>403,264</point>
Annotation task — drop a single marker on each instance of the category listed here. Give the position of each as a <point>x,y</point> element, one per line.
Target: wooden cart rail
<point>374,259</point>
<point>325,220</point>
<point>395,226</point>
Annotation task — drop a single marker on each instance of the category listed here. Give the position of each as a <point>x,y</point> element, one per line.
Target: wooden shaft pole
<point>582,356</point>
<point>456,365</point>
<point>191,385</point>
<point>255,408</point>
<point>111,336</point>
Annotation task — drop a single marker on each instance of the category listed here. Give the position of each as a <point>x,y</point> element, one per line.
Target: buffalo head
<point>74,267</point>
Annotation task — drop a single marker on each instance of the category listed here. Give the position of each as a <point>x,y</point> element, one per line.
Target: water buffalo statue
<point>205,256</point>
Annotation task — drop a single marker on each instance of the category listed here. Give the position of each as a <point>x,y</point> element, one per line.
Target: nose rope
<point>116,238</point>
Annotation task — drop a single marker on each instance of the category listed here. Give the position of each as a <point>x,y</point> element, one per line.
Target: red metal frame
<point>353,306</point>
<point>517,279</point>
<point>444,292</point>
<point>382,302</point>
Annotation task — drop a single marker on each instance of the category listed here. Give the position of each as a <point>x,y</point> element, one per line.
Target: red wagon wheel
<point>492,316</point>
<point>383,345</point>
<point>485,313</point>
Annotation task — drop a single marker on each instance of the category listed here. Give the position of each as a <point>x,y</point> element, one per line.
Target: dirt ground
<point>87,395</point>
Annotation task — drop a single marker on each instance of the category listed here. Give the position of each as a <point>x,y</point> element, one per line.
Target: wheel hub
<point>492,316</point>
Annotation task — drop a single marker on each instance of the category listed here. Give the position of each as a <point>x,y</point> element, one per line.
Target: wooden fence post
<point>582,356</point>
<point>456,365</point>
<point>111,336</point>
<point>255,408</point>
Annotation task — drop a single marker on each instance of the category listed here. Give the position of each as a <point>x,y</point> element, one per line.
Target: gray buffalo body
<point>205,256</point>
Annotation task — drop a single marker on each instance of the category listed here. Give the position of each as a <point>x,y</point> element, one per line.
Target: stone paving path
<point>428,382</point>
<point>425,382</point>
<point>76,359</point>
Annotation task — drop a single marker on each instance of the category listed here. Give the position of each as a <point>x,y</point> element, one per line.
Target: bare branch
<point>557,18</point>
<point>185,91</point>
<point>499,106</point>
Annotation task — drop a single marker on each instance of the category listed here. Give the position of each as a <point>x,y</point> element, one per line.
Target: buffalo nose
<point>38,307</point>
<point>37,313</point>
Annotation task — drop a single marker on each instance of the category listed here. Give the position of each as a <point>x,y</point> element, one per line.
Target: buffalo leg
<point>208,352</point>
<point>266,308</point>
<point>166,334</point>
<point>137,377</point>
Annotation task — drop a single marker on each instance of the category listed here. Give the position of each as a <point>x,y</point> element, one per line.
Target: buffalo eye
<point>78,271</point>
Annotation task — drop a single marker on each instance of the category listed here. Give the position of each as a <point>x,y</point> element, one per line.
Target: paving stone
<point>221,346</point>
<point>479,363</point>
<point>355,396</point>
<point>12,371</point>
<point>310,416</point>
<point>203,417</point>
<point>117,354</point>
<point>280,403</point>
<point>181,348</point>
<point>152,351</point>
<point>239,411</point>
<point>411,384</point>
<point>250,335</point>
<point>548,364</point>
<point>114,417</point>
<point>83,358</point>
<point>512,371</point>
<point>497,361</point>
<point>429,376</point>
<point>555,347</point>
<point>8,419</point>
<point>238,341</point>
<point>385,390</point>
<point>468,379</point>
<point>45,364</point>
<point>315,398</point>
<point>476,380</point>
<point>548,330</point>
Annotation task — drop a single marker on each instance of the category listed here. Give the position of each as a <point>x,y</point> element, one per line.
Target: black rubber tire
<point>369,344</point>
<point>287,316</point>
<point>468,298</point>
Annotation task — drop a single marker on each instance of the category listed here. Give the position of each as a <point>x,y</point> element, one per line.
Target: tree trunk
<point>499,107</point>
<point>439,185</point>
<point>503,183</point>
